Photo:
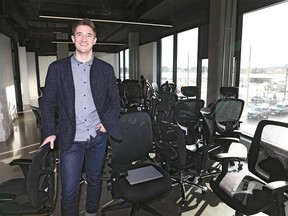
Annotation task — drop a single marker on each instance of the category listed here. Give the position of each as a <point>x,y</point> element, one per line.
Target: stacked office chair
<point>184,166</point>
<point>187,115</point>
<point>129,155</point>
<point>264,186</point>
<point>131,95</point>
<point>35,193</point>
<point>169,87</point>
<point>227,112</point>
<point>165,105</point>
<point>217,145</point>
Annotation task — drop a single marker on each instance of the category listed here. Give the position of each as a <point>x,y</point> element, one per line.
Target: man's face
<point>84,39</point>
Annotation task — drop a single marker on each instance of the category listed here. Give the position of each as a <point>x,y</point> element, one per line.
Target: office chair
<point>263,187</point>
<point>183,165</point>
<point>169,87</point>
<point>227,112</point>
<point>216,145</point>
<point>187,115</point>
<point>35,193</point>
<point>134,99</point>
<point>129,155</point>
<point>165,105</point>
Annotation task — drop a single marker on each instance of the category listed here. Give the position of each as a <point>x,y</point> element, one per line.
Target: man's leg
<point>94,157</point>
<point>70,171</point>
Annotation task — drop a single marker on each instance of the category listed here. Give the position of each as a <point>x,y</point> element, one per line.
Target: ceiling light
<point>110,21</point>
<point>98,43</point>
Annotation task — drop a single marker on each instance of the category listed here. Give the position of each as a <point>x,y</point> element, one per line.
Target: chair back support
<point>166,136</point>
<point>137,139</point>
<point>227,113</point>
<point>268,154</point>
<point>165,105</point>
<point>41,178</point>
<point>186,113</point>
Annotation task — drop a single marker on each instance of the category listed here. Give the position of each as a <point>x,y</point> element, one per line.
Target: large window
<point>167,59</point>
<point>187,58</point>
<point>124,64</point>
<point>264,63</point>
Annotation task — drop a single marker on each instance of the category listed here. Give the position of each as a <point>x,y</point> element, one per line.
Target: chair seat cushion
<point>146,191</point>
<point>242,192</point>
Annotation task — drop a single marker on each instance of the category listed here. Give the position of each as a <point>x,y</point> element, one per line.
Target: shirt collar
<point>73,58</point>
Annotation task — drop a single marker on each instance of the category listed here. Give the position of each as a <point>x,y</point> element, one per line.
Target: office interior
<point>25,57</point>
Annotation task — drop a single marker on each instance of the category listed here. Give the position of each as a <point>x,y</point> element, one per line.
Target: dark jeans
<point>70,171</point>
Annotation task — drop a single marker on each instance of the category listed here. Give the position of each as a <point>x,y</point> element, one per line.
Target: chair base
<point>118,204</point>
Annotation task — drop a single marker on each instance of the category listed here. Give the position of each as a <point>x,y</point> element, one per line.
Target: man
<point>82,91</point>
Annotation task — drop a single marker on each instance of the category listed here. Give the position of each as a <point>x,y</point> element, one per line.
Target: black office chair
<point>134,99</point>
<point>264,187</point>
<point>216,145</point>
<point>35,193</point>
<point>187,115</point>
<point>227,112</point>
<point>183,165</point>
<point>130,155</point>
<point>165,105</point>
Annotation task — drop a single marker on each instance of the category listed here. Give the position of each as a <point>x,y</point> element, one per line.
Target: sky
<point>265,32</point>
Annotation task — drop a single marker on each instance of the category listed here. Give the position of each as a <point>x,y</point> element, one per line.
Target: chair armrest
<point>20,162</point>
<point>223,157</point>
<point>23,163</point>
<point>120,171</point>
<point>276,186</point>
<point>231,139</point>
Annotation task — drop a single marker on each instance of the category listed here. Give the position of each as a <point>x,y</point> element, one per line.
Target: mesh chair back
<point>41,178</point>
<point>137,139</point>
<point>227,113</point>
<point>166,102</point>
<point>186,113</point>
<point>133,91</point>
<point>168,136</point>
<point>268,155</point>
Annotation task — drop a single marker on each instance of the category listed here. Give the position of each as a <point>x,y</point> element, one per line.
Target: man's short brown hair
<point>85,21</point>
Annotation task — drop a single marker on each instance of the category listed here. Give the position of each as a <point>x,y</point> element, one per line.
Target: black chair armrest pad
<point>228,157</point>
<point>20,162</point>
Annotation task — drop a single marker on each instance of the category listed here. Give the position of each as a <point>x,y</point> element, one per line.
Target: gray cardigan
<point>59,97</point>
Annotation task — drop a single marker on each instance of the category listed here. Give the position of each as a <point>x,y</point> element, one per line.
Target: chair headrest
<point>190,91</point>
<point>229,91</point>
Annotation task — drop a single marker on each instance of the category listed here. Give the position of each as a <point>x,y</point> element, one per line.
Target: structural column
<point>133,55</point>
<point>222,28</point>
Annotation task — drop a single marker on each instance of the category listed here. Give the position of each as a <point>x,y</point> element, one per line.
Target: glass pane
<point>121,65</point>
<point>204,79</point>
<point>126,64</point>
<point>263,75</point>
<point>187,49</point>
<point>167,59</point>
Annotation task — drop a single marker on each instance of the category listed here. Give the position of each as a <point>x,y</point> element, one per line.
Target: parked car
<point>259,112</point>
<point>258,99</point>
<point>280,108</point>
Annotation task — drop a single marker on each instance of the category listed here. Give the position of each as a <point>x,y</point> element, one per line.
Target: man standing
<point>82,91</point>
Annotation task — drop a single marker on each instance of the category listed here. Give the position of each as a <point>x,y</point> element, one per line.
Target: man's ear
<point>95,41</point>
<point>72,38</point>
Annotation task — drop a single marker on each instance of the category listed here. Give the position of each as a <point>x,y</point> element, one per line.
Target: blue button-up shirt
<point>86,114</point>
